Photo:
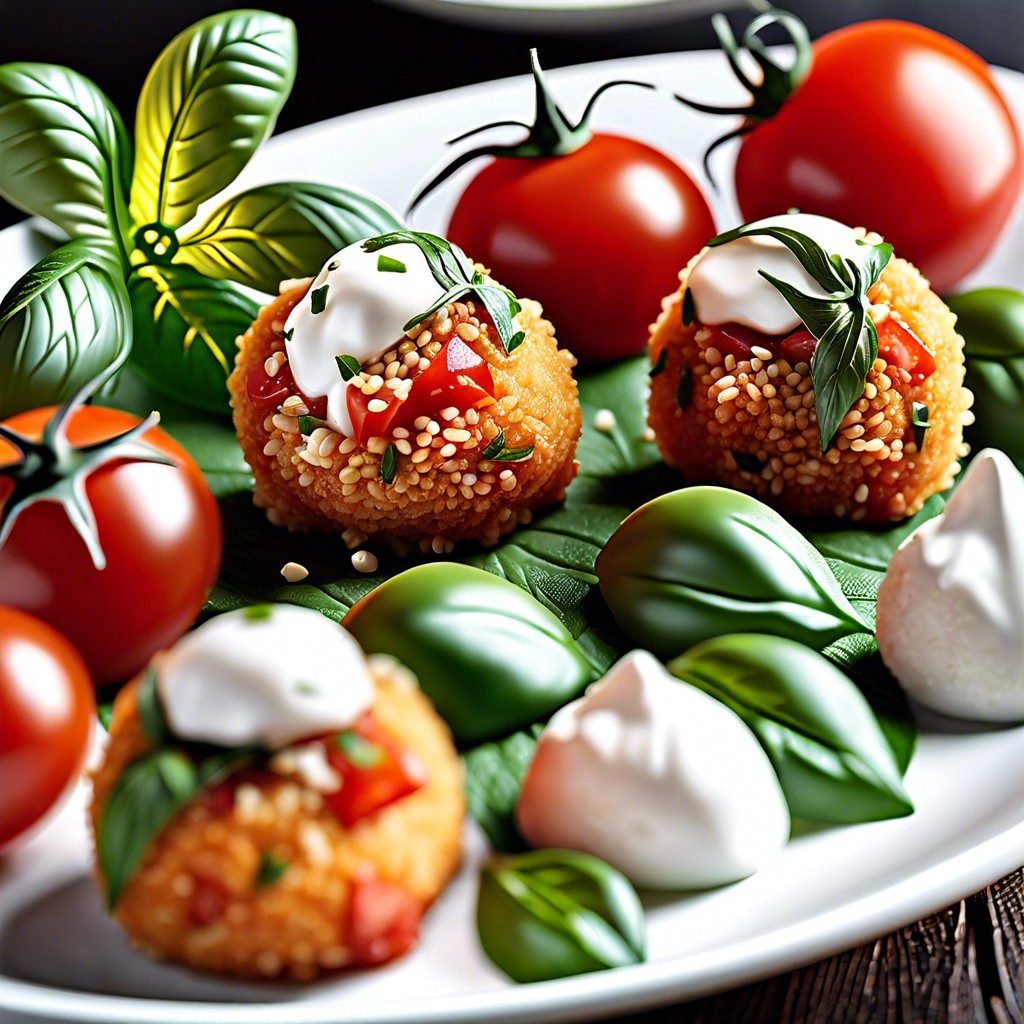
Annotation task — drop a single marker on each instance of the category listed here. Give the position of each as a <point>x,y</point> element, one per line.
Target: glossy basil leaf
<point>621,390</point>
<point>556,913</point>
<point>490,657</point>
<point>704,561</point>
<point>992,323</point>
<point>186,327</point>
<point>148,794</point>
<point>275,232</point>
<point>66,154</point>
<point>65,323</point>
<point>833,760</point>
<point>494,776</point>
<point>210,99</point>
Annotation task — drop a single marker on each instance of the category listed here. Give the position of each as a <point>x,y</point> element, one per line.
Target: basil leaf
<point>149,793</point>
<point>210,99</point>
<point>105,712</point>
<point>388,464</point>
<point>187,326</point>
<point>271,870</point>
<point>494,775</point>
<point>704,561</point>
<point>555,913</point>
<point>67,156</point>
<point>275,232</point>
<point>359,752</point>
<point>833,761</point>
<point>65,323</point>
<point>623,390</point>
<point>151,715</point>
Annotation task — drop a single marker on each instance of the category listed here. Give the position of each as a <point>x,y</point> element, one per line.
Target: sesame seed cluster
<point>298,926</point>
<point>751,423</point>
<point>442,489</point>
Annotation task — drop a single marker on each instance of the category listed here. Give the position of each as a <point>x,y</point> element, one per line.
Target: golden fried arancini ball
<point>441,434</point>
<point>272,871</point>
<point>731,404</point>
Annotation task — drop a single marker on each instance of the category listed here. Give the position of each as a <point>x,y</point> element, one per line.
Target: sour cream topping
<point>655,777</point>
<point>362,313</point>
<point>265,677</point>
<point>727,287</point>
<point>951,606</point>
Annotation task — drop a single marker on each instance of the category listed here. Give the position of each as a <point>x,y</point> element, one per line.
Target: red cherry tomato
<point>384,922</point>
<point>159,528</point>
<point>598,237</point>
<point>897,129</point>
<point>47,710</point>
<point>375,771</point>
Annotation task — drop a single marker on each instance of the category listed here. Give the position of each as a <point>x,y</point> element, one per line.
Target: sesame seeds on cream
<point>267,676</point>
<point>360,314</point>
<point>951,606</point>
<point>727,288</point>
<point>652,775</point>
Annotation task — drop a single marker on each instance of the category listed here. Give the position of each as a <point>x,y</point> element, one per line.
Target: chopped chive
<point>289,334</point>
<point>307,424</point>
<point>919,418</point>
<point>388,464</point>
<point>689,312</point>
<point>747,461</point>
<point>513,454</point>
<point>494,447</point>
<point>258,612</point>
<point>659,363</point>
<point>306,688</point>
<point>271,870</point>
<point>348,366</point>
<point>318,299</point>
<point>358,751</point>
<point>333,265</point>
<point>387,265</point>
<point>684,389</point>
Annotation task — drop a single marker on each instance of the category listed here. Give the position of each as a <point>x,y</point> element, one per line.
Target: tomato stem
<point>551,134</point>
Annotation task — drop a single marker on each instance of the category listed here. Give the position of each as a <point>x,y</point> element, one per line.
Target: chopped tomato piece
<point>208,901</point>
<point>375,771</point>
<point>267,393</point>
<point>798,347</point>
<point>220,799</point>
<point>383,923</point>
<point>899,346</point>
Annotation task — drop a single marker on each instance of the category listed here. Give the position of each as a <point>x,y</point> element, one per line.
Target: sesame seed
<point>364,561</point>
<point>762,353</point>
<point>271,366</point>
<point>467,332</point>
<point>305,479</point>
<point>286,424</point>
<point>727,395</point>
<point>273,446</point>
<point>730,362</point>
<point>454,434</point>
<point>447,414</point>
<point>752,391</point>
<point>377,405</point>
<point>448,450</point>
<point>420,454</point>
<point>403,447</point>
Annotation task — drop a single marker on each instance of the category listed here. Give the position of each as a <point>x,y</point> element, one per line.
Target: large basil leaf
<point>67,156</point>
<point>992,323</point>
<point>555,913</point>
<point>210,99</point>
<point>275,232</point>
<point>494,775</point>
<point>622,391</point>
<point>490,657</point>
<point>704,561</point>
<point>65,323</point>
<point>833,760</point>
<point>186,327</point>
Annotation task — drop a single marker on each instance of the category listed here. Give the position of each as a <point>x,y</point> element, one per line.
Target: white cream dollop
<point>727,288</point>
<point>365,310</point>
<point>951,607</point>
<point>266,679</point>
<point>661,781</point>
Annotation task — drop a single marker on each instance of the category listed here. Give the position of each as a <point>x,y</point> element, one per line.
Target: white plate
<point>831,888</point>
<point>564,15</point>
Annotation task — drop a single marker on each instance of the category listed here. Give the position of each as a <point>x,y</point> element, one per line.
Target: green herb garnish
<point>307,424</point>
<point>318,299</point>
<point>105,712</point>
<point>747,461</point>
<point>306,688</point>
<point>358,751</point>
<point>847,338</point>
<point>387,265</point>
<point>659,363</point>
<point>272,869</point>
<point>348,366</point>
<point>684,389</point>
<point>497,452</point>
<point>457,276</point>
<point>151,714</point>
<point>388,464</point>
<point>289,334</point>
<point>258,612</point>
<point>687,308</point>
<point>919,419</point>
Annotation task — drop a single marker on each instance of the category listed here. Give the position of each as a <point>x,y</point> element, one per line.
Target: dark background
<point>359,53</point>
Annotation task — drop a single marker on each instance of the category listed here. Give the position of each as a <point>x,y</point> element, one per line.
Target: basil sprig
<point>455,274</point>
<point>555,913</point>
<point>847,338</point>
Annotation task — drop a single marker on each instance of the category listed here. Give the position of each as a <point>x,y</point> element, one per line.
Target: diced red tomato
<point>208,901</point>
<point>899,346</point>
<point>267,393</point>
<point>375,771</point>
<point>798,347</point>
<point>383,923</point>
<point>220,799</point>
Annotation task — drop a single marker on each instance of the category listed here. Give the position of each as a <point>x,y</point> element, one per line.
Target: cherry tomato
<point>598,237</point>
<point>159,528</point>
<point>375,771</point>
<point>897,129</point>
<point>384,922</point>
<point>47,710</point>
